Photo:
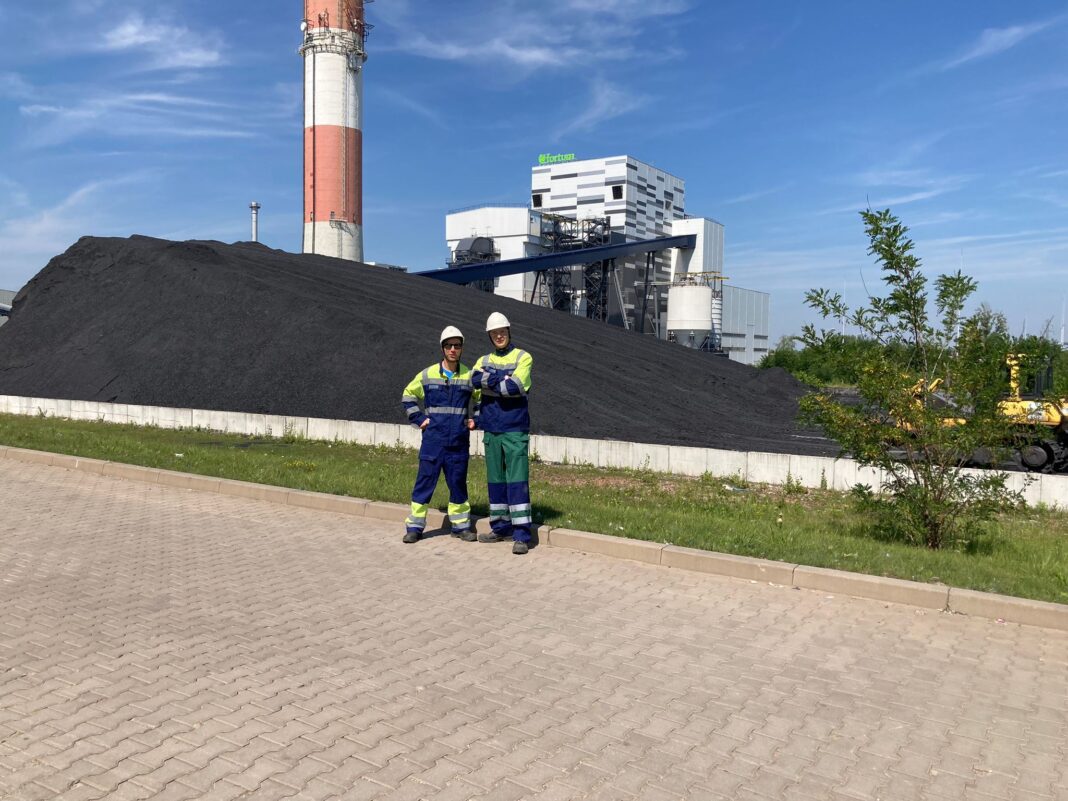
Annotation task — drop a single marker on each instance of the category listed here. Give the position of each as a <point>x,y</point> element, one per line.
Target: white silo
<point>695,298</point>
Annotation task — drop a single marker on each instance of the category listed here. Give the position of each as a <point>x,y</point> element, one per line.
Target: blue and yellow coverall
<point>504,378</point>
<point>449,402</point>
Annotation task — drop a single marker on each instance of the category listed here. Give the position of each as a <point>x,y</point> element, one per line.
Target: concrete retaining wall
<point>764,468</point>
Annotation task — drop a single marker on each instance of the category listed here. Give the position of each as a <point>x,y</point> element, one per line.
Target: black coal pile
<point>245,328</point>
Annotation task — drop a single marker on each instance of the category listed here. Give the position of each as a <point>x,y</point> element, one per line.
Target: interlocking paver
<point>179,644</point>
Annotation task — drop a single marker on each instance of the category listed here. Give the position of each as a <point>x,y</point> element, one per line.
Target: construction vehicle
<point>1042,424</point>
<point>1040,427</point>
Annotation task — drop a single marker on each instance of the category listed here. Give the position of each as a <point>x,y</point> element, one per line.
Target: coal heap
<point>245,328</point>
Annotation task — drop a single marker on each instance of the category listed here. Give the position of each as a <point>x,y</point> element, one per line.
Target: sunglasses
<point>453,346</point>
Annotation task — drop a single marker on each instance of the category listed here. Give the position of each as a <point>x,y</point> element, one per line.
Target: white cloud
<point>13,85</point>
<point>892,177</point>
<point>947,185</point>
<point>552,34</point>
<point>607,101</point>
<point>1058,199</point>
<point>788,272</point>
<point>996,40</point>
<point>749,196</point>
<point>943,218</point>
<point>28,241</point>
<point>500,48</point>
<point>411,104</point>
<point>12,195</point>
<point>881,187</point>
<point>169,46</point>
<point>126,114</point>
<point>631,9</point>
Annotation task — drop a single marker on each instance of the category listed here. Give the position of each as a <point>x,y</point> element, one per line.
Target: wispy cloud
<point>14,86</point>
<point>524,37</point>
<point>1026,234</point>
<point>607,101</point>
<point>997,40</point>
<point>125,114</point>
<point>943,218</point>
<point>522,54</point>
<point>925,186</point>
<point>169,46</point>
<point>632,9</point>
<point>1057,199</point>
<point>895,177</point>
<point>13,195</point>
<point>29,240</point>
<point>409,103</point>
<point>749,196</point>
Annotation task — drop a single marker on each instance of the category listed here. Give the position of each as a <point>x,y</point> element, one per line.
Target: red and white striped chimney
<point>333,50</point>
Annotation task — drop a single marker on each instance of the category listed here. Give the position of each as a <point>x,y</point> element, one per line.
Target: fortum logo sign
<point>555,158</point>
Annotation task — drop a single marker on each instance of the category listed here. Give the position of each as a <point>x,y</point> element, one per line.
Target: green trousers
<point>508,475</point>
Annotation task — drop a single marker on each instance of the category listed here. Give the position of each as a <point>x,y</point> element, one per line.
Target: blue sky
<point>784,118</point>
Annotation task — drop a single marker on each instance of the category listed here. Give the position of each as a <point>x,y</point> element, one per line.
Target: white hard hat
<point>497,320</point>
<point>451,332</point>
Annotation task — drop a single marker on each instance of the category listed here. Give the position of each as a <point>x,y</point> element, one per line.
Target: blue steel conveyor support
<point>565,258</point>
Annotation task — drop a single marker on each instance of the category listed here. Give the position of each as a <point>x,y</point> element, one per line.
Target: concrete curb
<point>1003,608</point>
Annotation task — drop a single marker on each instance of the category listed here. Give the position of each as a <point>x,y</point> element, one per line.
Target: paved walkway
<point>170,644</point>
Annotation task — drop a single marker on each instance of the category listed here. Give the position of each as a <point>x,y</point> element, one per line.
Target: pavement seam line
<point>974,603</point>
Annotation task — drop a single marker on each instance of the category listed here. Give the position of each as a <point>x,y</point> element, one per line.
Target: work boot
<point>413,536</point>
<point>492,537</point>
<point>466,536</point>
<point>519,548</point>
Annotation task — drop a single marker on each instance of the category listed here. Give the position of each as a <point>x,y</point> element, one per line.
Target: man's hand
<point>424,424</point>
<point>470,425</point>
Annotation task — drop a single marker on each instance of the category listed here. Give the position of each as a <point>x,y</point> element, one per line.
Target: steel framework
<point>555,286</point>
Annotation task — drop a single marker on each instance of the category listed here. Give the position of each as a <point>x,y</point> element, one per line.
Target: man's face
<point>452,348</point>
<point>500,338</point>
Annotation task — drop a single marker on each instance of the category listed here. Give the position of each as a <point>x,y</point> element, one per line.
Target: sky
<point>785,119</point>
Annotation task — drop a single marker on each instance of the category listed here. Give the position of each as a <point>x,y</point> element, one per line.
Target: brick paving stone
<point>186,645</point>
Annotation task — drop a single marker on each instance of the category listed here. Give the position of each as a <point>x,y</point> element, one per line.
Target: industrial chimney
<point>255,207</point>
<point>333,51</point>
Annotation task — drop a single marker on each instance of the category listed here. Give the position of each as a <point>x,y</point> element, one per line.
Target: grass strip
<point>1024,553</point>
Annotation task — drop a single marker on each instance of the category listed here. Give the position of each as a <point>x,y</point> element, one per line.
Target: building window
<point>617,192</point>
<point>536,200</point>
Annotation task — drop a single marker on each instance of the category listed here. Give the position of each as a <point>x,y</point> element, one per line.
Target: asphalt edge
<point>937,597</point>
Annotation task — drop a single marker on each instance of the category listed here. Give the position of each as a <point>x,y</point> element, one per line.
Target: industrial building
<point>596,203</point>
<point>637,259</point>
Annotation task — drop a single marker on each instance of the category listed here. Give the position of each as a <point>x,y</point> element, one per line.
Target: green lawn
<point>1024,554</point>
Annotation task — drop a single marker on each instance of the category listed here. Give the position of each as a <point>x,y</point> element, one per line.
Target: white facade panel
<point>640,201</point>
<point>746,314</point>
<point>515,233</point>
<point>707,255</point>
<point>491,221</point>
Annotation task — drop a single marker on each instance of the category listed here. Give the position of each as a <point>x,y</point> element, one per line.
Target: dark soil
<point>245,328</point>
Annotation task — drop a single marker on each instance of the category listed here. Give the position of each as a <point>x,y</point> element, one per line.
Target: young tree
<point>929,393</point>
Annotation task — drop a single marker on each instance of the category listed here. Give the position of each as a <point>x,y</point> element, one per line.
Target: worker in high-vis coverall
<point>504,378</point>
<point>442,402</point>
